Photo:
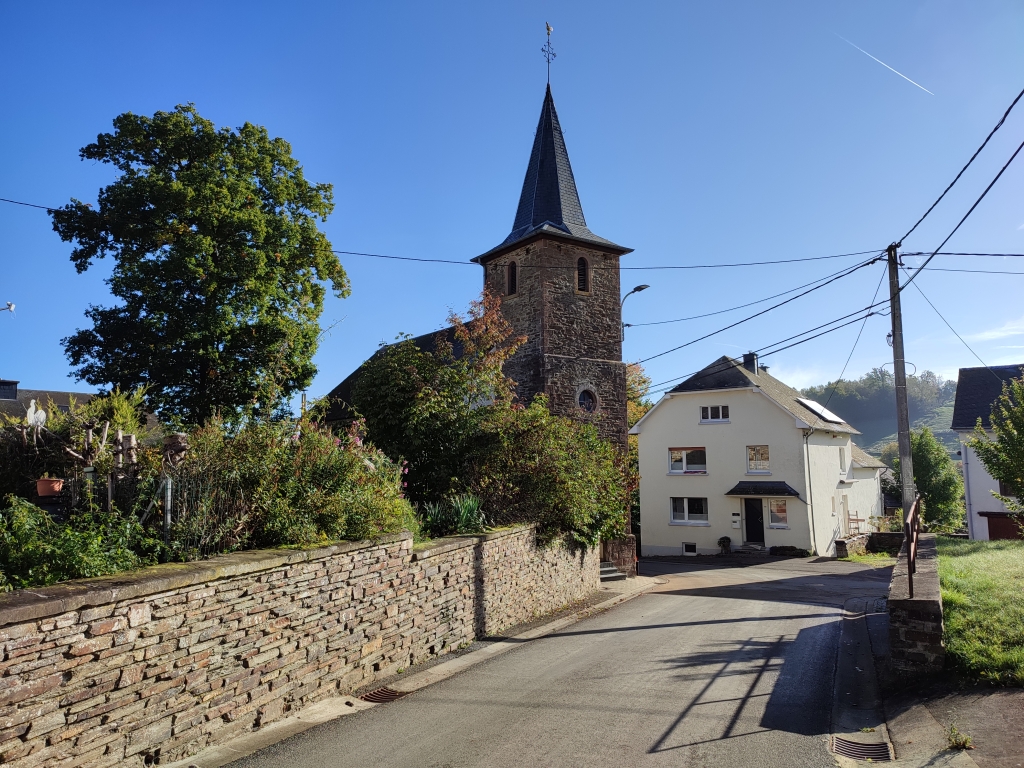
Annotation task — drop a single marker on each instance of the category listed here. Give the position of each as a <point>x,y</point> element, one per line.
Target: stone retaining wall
<point>876,541</point>
<point>150,667</point>
<point>915,624</point>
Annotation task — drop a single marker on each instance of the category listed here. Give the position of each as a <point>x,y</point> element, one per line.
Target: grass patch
<point>983,607</point>
<point>874,559</point>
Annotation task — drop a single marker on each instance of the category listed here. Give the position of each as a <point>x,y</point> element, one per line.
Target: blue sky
<point>698,133</point>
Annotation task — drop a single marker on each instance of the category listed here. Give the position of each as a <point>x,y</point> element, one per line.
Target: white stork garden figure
<point>36,417</point>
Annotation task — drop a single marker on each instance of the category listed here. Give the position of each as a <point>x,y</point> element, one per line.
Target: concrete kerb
<point>335,707</point>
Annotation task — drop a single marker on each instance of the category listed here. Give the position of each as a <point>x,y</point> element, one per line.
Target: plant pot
<point>49,487</point>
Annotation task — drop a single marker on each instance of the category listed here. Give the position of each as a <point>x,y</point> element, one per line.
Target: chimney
<point>750,362</point>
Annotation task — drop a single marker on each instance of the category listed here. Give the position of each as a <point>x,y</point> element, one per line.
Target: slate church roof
<point>549,203</point>
<point>977,389</point>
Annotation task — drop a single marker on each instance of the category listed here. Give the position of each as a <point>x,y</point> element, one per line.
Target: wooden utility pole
<point>899,365</point>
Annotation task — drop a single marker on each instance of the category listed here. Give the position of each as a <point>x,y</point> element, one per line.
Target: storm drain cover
<point>382,695</point>
<point>878,753</point>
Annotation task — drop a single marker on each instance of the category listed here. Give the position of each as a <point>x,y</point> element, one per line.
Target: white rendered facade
<point>761,442</point>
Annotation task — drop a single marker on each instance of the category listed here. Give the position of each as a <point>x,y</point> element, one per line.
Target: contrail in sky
<point>883,63</point>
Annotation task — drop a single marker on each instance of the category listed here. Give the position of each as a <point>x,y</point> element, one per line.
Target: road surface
<point>720,666</point>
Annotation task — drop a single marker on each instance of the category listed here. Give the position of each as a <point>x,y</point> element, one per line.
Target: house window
<point>512,279</point>
<point>588,401</point>
<point>712,413</point>
<point>777,517</point>
<point>582,275</point>
<point>757,459</point>
<point>842,459</point>
<point>689,511</point>
<point>688,461</point>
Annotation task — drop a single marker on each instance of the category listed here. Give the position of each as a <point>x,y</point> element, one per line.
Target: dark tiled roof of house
<point>762,488</point>
<point>977,389</point>
<point>549,203</point>
<point>340,397</point>
<point>727,373</point>
<point>18,407</point>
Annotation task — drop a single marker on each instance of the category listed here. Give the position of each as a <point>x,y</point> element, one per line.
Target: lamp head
<point>641,288</point>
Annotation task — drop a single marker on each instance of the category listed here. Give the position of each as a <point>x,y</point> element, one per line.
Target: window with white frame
<point>842,459</point>
<point>777,516</point>
<point>714,413</point>
<point>757,460</point>
<point>688,461</point>
<point>689,510</point>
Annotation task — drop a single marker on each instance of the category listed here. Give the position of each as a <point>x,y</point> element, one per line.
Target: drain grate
<point>382,695</point>
<point>878,753</point>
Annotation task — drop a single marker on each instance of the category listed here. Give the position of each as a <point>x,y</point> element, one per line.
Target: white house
<point>732,451</point>
<point>976,391</point>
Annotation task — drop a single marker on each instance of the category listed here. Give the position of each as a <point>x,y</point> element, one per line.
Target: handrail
<point>911,530</point>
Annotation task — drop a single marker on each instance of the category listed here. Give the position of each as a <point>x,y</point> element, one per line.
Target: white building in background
<point>732,451</point>
<point>976,391</point>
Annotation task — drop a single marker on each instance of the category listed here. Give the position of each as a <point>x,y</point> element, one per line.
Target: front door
<point>754,509</point>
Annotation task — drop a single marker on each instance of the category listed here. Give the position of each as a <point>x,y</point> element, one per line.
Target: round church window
<point>588,401</point>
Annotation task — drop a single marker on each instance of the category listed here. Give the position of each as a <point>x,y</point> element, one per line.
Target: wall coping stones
<point>31,604</point>
<point>446,544</point>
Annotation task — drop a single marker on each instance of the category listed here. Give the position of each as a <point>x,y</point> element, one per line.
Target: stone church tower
<point>559,284</point>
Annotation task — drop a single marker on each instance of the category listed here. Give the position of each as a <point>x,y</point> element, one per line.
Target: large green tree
<point>219,267</point>
<point>937,479</point>
<point>1003,453</point>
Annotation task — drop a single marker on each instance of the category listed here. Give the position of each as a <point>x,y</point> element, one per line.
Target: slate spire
<point>549,201</point>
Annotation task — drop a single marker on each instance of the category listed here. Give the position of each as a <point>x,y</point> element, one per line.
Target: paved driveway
<point>718,667</point>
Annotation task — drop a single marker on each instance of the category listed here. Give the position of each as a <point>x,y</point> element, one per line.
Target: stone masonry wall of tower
<point>573,339</point>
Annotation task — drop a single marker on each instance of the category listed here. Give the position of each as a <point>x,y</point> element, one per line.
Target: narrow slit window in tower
<point>582,276</point>
<point>513,279</point>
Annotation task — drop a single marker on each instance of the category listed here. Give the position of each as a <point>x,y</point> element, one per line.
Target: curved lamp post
<point>635,290</point>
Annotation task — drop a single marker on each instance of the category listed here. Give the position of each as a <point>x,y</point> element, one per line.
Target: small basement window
<point>712,413</point>
<point>777,515</point>
<point>688,461</point>
<point>689,511</point>
<point>689,548</point>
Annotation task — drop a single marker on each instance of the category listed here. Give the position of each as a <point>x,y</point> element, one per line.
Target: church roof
<point>549,203</point>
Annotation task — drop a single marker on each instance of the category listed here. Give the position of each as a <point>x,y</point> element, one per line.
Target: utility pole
<point>899,365</point>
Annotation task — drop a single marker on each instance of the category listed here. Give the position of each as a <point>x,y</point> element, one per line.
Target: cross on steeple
<point>548,51</point>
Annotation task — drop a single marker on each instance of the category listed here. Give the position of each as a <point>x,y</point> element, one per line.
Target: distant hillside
<point>869,404</point>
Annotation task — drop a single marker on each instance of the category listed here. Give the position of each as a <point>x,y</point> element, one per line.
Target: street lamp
<point>635,290</point>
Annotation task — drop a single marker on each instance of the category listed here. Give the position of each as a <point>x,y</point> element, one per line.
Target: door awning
<point>762,488</point>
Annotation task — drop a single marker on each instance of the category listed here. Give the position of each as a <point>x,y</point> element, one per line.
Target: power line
<point>973,271</point>
<point>969,212</point>
<point>976,153</point>
<point>951,327</point>
<point>30,205</point>
<point>740,306</point>
<point>843,274</point>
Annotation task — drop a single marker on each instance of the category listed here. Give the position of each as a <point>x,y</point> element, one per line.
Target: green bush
<point>36,550</point>
<point>459,515</point>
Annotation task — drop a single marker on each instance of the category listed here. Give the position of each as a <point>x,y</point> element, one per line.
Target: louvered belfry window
<point>513,278</point>
<point>582,276</point>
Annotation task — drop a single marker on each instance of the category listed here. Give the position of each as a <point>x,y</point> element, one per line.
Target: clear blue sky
<point>698,133</point>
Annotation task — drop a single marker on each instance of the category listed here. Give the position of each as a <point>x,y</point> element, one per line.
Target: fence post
<point>167,511</point>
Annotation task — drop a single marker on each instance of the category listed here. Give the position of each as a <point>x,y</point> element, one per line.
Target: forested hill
<point>869,404</point>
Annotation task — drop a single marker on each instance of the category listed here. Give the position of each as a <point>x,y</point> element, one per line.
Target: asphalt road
<point>719,667</point>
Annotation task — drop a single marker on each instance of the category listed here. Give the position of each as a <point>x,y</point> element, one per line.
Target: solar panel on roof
<point>820,409</point>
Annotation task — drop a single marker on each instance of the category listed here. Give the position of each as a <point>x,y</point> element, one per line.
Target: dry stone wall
<point>151,667</point>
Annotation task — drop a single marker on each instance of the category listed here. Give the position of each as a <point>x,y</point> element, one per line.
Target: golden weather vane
<point>548,51</point>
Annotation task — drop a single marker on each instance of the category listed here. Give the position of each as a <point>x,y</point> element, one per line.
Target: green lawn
<point>983,606</point>
<point>874,559</point>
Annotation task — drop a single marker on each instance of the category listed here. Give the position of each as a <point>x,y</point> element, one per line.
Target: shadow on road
<point>790,672</point>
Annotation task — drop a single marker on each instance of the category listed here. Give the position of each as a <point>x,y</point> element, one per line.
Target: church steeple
<point>549,202</point>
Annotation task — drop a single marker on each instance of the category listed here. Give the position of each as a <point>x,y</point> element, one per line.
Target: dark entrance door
<point>754,509</point>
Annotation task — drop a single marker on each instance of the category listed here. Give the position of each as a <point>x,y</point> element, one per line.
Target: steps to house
<point>751,549</point>
<point>610,573</point>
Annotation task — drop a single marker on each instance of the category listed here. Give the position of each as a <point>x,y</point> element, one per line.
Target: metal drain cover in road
<point>382,695</point>
<point>878,752</point>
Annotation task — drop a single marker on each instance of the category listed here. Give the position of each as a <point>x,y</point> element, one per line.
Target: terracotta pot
<point>49,487</point>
